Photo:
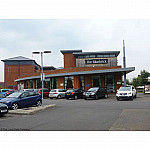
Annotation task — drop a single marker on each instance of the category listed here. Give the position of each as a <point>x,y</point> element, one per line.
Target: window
<point>24,94</point>
<point>100,56</point>
<point>31,94</point>
<point>80,57</point>
<point>96,81</point>
<point>31,83</point>
<point>87,56</point>
<point>38,83</point>
<point>106,55</point>
<point>69,82</point>
<point>110,83</point>
<point>26,84</point>
<point>112,55</point>
<point>92,56</point>
<point>82,82</point>
<point>54,83</point>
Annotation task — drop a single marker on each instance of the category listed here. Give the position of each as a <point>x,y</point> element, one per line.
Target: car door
<point>24,99</point>
<point>32,98</point>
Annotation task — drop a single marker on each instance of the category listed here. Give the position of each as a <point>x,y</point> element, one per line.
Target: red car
<point>45,92</point>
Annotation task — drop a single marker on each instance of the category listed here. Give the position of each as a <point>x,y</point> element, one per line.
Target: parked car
<point>45,92</point>
<point>126,92</point>
<point>57,93</point>
<point>3,109</point>
<point>2,96</point>
<point>3,91</point>
<point>95,93</point>
<point>74,93</point>
<point>22,99</point>
<point>10,92</point>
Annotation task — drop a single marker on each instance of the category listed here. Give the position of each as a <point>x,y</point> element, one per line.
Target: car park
<point>74,93</point>
<point>57,93</point>
<point>3,91</point>
<point>3,109</point>
<point>95,93</point>
<point>126,92</point>
<point>22,99</point>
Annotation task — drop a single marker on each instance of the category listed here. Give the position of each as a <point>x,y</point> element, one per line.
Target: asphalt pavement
<point>77,115</point>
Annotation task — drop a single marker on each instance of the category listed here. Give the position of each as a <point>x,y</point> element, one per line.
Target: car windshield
<point>127,88</point>
<point>92,89</point>
<point>2,96</point>
<point>14,95</point>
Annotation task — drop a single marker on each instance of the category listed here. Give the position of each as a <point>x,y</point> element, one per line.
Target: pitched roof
<point>19,58</point>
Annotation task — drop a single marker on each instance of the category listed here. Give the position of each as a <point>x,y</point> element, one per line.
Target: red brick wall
<point>69,60</point>
<point>11,73</point>
<point>60,80</point>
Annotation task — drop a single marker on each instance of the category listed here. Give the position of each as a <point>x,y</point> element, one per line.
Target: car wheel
<point>59,96</point>
<point>14,106</point>
<point>106,96</point>
<point>132,97</point>
<point>38,103</point>
<point>85,98</point>
<point>135,95</point>
<point>67,98</point>
<point>118,99</point>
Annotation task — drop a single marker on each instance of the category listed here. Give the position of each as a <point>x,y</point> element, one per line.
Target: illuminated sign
<point>96,61</point>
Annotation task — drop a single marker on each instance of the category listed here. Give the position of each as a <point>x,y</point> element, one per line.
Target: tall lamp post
<point>41,68</point>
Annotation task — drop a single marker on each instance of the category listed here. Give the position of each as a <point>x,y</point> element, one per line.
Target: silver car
<point>57,93</point>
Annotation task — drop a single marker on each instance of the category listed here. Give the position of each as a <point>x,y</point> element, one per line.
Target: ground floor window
<point>54,83</point>
<point>96,81</point>
<point>31,84</point>
<point>38,83</point>
<point>69,82</point>
<point>110,83</point>
<point>26,84</point>
<point>82,82</point>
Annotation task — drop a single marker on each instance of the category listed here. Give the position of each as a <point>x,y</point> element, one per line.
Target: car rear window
<point>61,90</point>
<point>46,90</point>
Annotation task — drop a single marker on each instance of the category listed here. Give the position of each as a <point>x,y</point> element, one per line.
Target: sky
<point>22,37</point>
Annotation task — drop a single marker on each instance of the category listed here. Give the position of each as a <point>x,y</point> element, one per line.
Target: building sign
<point>96,61</point>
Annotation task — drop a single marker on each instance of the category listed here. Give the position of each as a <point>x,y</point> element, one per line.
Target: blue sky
<point>21,37</point>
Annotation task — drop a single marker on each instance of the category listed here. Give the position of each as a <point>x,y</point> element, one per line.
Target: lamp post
<point>41,68</point>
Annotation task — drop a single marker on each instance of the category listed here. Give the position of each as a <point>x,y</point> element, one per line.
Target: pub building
<point>82,70</point>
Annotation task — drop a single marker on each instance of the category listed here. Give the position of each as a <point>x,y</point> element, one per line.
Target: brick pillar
<point>28,84</point>
<point>34,87</point>
<point>87,82</point>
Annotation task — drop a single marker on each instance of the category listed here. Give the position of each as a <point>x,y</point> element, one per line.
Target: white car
<point>57,93</point>
<point>126,92</point>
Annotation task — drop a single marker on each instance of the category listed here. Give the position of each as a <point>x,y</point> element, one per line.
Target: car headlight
<point>92,93</point>
<point>7,102</point>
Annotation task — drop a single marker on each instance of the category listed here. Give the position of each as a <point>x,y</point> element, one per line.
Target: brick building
<point>81,70</point>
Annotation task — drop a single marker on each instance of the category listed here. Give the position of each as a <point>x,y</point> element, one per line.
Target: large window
<point>54,83</point>
<point>69,82</point>
<point>38,83</point>
<point>82,82</point>
<point>26,84</point>
<point>31,84</point>
<point>96,81</point>
<point>47,83</point>
<point>110,83</point>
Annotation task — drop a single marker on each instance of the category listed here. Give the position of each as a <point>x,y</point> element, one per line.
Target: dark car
<point>95,93</point>
<point>45,92</point>
<point>3,109</point>
<point>74,93</point>
<point>22,99</point>
<point>10,92</point>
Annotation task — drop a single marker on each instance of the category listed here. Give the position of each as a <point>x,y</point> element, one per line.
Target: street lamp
<point>41,68</point>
